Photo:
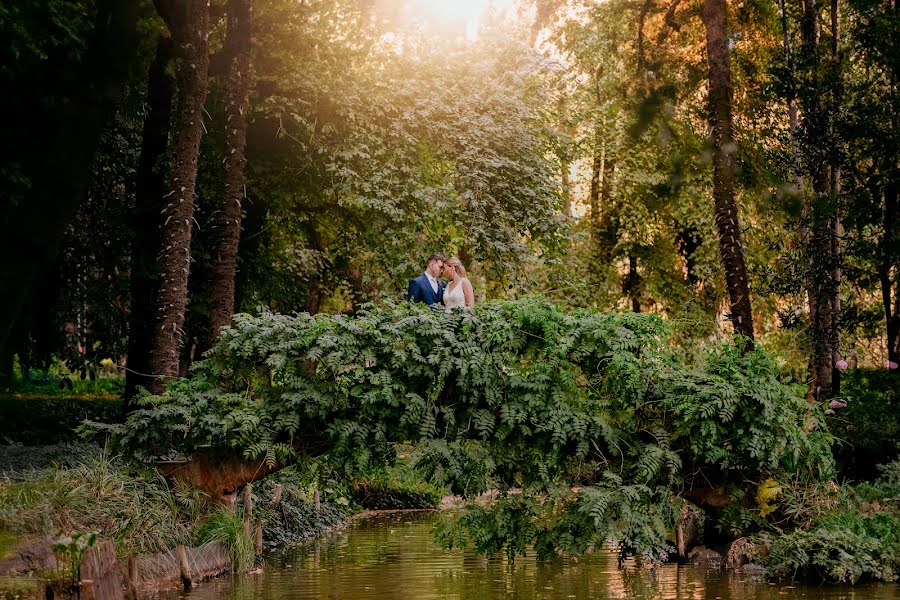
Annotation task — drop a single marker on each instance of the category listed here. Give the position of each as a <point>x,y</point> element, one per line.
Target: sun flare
<point>466,15</point>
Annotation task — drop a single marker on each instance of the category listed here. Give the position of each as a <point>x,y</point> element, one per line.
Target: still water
<point>393,556</point>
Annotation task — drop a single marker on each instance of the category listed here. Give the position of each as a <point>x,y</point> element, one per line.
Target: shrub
<point>869,427</point>
<point>841,534</point>
<point>385,493</point>
<point>35,420</point>
<point>508,394</point>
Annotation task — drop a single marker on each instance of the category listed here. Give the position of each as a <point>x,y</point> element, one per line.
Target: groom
<point>427,287</point>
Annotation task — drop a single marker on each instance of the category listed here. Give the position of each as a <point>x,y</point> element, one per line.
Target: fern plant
<point>514,394</point>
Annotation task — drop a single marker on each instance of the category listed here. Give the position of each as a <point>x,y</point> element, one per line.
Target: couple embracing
<point>429,288</point>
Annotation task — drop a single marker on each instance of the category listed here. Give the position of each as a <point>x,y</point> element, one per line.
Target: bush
<point>509,394</point>
<point>36,420</point>
<point>869,427</point>
<point>841,534</point>
<point>385,493</point>
<point>296,519</point>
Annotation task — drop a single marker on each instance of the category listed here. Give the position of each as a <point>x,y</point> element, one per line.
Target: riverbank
<point>75,487</point>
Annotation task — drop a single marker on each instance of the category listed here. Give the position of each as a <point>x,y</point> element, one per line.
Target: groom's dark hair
<point>435,256</point>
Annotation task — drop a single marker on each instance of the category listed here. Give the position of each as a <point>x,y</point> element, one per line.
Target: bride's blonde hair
<point>457,264</point>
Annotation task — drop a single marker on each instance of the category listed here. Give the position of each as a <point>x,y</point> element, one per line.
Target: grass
<point>228,527</point>
<point>137,509</point>
<point>46,492</point>
<point>7,542</point>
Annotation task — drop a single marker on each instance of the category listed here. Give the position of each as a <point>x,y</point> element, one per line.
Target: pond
<point>394,556</point>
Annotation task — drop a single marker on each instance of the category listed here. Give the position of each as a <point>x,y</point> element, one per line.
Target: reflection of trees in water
<point>394,557</point>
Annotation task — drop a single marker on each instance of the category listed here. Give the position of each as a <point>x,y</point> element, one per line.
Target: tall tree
<point>146,223</point>
<point>227,220</point>
<point>820,210</point>
<point>715,18</point>
<point>189,23</point>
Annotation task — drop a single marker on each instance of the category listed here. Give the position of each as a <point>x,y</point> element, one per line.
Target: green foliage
<point>296,519</point>
<point>510,394</point>
<point>49,419</point>
<point>869,427</point>
<point>386,493</point>
<point>840,534</point>
<point>228,527</point>
<point>72,548</point>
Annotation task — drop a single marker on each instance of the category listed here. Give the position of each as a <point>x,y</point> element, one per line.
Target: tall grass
<point>228,527</point>
<point>139,510</point>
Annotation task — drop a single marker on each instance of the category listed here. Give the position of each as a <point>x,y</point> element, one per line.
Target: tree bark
<point>189,23</point>
<point>715,17</point>
<point>151,183</point>
<point>68,133</point>
<point>227,221</point>
<point>594,194</point>
<point>821,209</point>
<point>889,271</point>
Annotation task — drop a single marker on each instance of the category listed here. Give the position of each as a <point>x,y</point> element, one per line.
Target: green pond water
<point>393,556</point>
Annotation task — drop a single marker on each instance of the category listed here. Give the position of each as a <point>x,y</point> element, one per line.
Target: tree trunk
<point>594,194</point>
<point>715,18</point>
<point>68,133</point>
<point>821,208</point>
<point>228,218</point>
<point>145,248</point>
<point>632,284</point>
<point>889,272</point>
<point>189,22</point>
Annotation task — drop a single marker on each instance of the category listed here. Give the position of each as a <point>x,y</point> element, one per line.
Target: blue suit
<point>420,291</point>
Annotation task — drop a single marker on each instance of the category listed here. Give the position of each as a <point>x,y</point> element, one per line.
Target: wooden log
<point>248,501</point>
<point>259,538</point>
<point>276,499</point>
<point>87,590</point>
<point>100,576</point>
<point>132,577</point>
<point>183,566</point>
<point>317,500</point>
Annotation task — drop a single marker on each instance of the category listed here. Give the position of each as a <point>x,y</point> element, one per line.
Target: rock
<point>704,557</point>
<point>753,569</point>
<point>740,553</point>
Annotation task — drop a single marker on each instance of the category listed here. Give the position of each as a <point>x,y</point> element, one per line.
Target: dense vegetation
<point>724,170</point>
<point>512,394</point>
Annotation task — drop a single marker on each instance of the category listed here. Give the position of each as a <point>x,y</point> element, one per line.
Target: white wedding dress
<point>455,298</point>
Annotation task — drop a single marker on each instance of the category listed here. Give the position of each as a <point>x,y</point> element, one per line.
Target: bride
<point>459,293</point>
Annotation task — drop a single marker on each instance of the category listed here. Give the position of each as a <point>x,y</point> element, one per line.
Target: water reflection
<point>394,557</point>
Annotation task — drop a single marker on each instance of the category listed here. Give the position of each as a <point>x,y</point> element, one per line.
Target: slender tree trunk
<point>145,247</point>
<point>822,249</point>
<point>189,22</point>
<point>228,218</point>
<point>632,284</point>
<point>835,192</point>
<point>889,271</point>
<point>715,17</point>
<point>793,116</point>
<point>594,194</point>
<point>566,188</point>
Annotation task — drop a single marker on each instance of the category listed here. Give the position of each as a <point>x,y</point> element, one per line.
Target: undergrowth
<point>510,394</point>
<point>839,533</point>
